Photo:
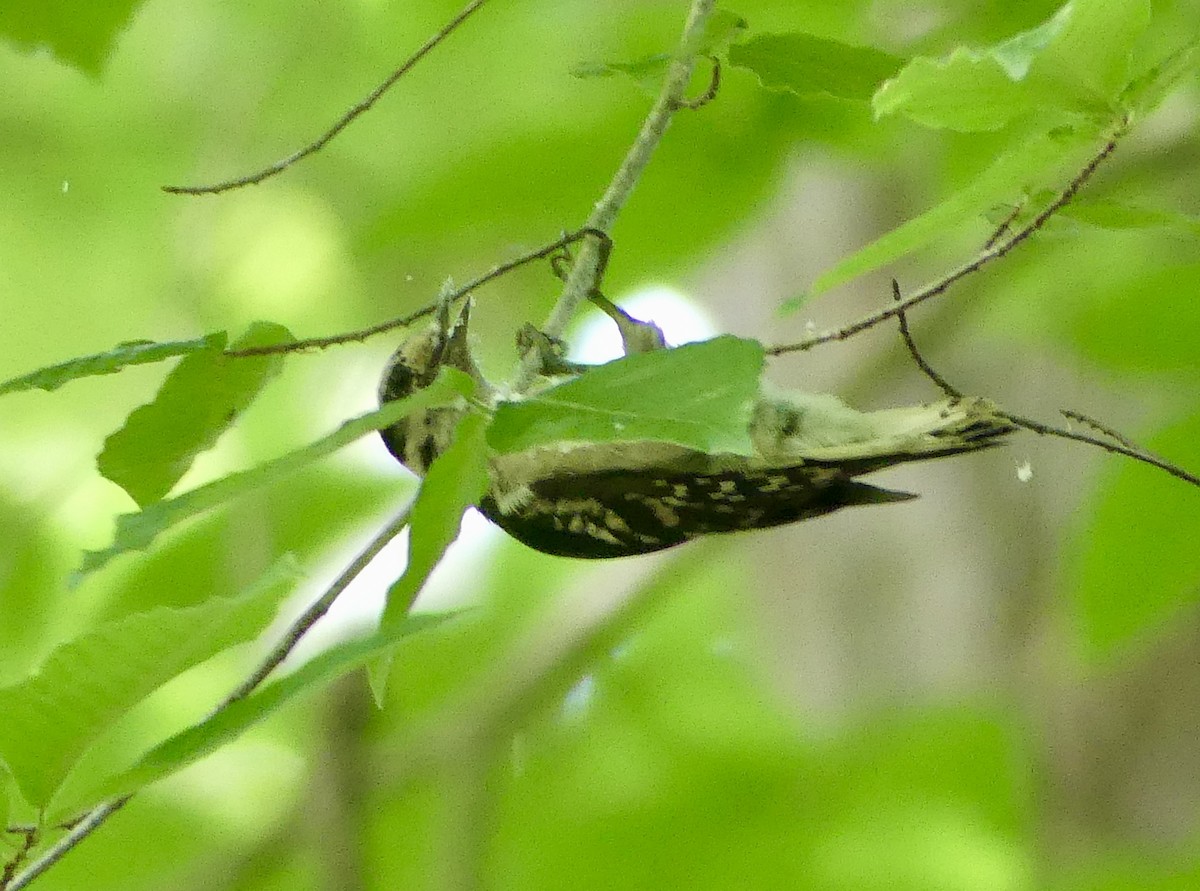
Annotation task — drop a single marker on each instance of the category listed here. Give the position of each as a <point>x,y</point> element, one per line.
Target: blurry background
<point>939,695</point>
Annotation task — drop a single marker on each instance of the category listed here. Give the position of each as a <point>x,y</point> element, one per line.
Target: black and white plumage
<point>595,500</point>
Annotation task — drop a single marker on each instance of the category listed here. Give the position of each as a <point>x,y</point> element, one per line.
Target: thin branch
<point>342,123</point>
<point>1122,446</point>
<point>986,256</point>
<point>295,631</point>
<point>315,343</point>
<point>82,830</point>
<point>929,371</point>
<point>301,625</point>
<point>1102,428</point>
<point>1117,443</point>
<point>584,275</point>
<point>1004,225</point>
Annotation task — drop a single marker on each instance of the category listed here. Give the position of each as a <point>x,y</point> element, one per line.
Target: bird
<point>596,500</point>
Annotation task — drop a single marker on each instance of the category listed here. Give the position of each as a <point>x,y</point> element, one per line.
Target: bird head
<point>417,439</point>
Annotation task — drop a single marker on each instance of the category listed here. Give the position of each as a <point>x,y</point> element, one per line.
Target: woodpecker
<point>599,500</point>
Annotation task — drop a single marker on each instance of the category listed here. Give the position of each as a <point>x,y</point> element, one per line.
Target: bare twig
<point>1071,415</point>
<point>994,252</point>
<point>495,272</point>
<point>584,274</point>
<point>1121,446</point>
<point>81,830</point>
<point>1004,225</point>
<point>1117,443</point>
<point>928,369</point>
<point>342,123</point>
<point>295,631</point>
<point>14,862</point>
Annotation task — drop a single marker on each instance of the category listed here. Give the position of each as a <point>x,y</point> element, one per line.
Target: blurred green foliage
<point>592,726</point>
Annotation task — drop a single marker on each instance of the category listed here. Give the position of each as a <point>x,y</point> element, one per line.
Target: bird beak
<point>456,351</point>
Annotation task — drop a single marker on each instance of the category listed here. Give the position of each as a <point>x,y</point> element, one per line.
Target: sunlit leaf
<point>806,65</point>
<point>84,686</point>
<point>201,398</point>
<point>238,717</point>
<point>1076,62</point>
<point>698,395</point>
<point>1092,54</point>
<point>1135,563</point>
<point>135,352</point>
<point>135,532</point>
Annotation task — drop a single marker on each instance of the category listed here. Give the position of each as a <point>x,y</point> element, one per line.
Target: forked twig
<point>1117,443</point>
<point>342,123</point>
<point>14,862</point>
<point>1004,225</point>
<point>990,253</point>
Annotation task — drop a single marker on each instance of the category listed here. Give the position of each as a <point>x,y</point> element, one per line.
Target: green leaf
<point>456,480</point>
<point>135,532</point>
<point>647,72</point>
<point>1092,54</point>
<point>53,716</point>
<point>1108,214</point>
<point>966,91</point>
<point>1148,90</point>
<point>198,401</point>
<point>134,352</point>
<point>1076,62</point>
<point>1136,563</point>
<point>698,395</point>
<point>722,29</point>
<point>808,65</point>
<point>7,788</point>
<point>238,717</point>
<point>79,34</point>
<point>1013,175</point>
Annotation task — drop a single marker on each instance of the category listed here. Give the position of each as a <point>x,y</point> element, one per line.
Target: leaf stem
<point>342,123</point>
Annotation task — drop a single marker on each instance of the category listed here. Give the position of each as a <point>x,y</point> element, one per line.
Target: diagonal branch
<point>342,123</point>
<point>96,817</point>
<point>993,251</point>
<point>672,97</point>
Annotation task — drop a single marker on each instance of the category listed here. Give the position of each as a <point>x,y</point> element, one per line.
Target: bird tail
<point>822,430</point>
